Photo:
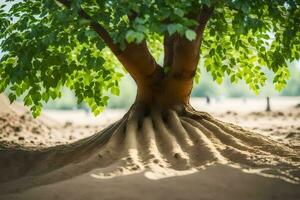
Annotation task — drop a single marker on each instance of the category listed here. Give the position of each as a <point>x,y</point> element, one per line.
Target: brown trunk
<point>165,93</point>
<point>181,56</point>
<point>155,88</point>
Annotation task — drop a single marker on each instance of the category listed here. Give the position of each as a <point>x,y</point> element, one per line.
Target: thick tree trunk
<point>165,93</point>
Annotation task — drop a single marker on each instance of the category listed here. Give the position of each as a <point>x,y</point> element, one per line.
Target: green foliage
<point>206,86</point>
<point>293,85</point>
<point>245,36</point>
<point>46,46</point>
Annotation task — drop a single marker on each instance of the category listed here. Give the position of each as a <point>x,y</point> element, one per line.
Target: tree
<point>268,107</point>
<point>48,44</point>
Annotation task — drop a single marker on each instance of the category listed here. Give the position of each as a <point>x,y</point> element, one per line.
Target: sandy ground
<point>216,182</point>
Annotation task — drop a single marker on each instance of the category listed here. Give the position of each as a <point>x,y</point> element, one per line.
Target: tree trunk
<point>268,107</point>
<point>165,93</point>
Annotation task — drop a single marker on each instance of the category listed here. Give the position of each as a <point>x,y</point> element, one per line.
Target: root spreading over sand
<point>161,143</point>
<point>183,142</point>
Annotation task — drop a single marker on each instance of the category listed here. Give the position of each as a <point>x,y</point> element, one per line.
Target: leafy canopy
<point>46,45</point>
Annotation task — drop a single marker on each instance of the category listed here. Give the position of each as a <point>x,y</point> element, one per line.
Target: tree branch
<point>136,58</point>
<point>168,50</point>
<point>139,62</point>
<point>100,30</point>
<point>205,15</point>
<point>185,57</point>
<point>176,43</point>
<point>186,53</point>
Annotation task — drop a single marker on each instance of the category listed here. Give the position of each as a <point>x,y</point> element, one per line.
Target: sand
<point>215,182</point>
<point>17,125</point>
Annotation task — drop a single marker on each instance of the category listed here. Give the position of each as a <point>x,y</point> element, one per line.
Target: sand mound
<point>163,143</point>
<point>22,129</point>
<point>172,144</point>
<point>18,126</point>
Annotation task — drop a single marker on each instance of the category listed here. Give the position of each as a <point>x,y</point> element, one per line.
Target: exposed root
<point>166,142</point>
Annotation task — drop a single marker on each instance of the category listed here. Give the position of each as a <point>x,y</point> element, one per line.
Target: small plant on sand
<point>80,44</point>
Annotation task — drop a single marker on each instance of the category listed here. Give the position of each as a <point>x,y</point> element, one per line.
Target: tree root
<point>166,142</point>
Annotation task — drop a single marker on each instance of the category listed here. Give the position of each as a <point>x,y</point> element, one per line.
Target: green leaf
<point>12,97</point>
<point>245,7</point>
<point>115,91</point>
<point>190,34</point>
<point>232,79</point>
<point>172,28</point>
<point>179,12</point>
<point>130,36</point>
